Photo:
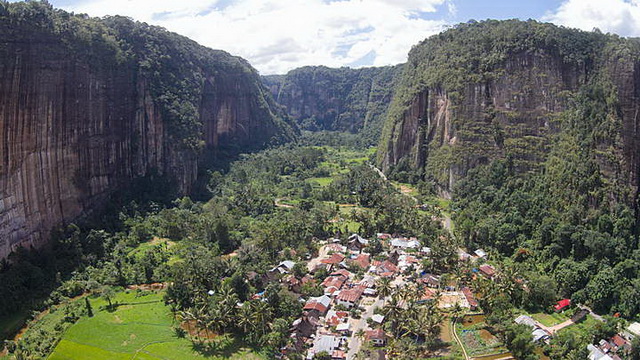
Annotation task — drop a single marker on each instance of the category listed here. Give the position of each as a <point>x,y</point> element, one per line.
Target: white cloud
<point>279,35</point>
<point>616,16</point>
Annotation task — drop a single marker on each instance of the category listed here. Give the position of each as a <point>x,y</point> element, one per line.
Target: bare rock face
<point>499,90</point>
<point>81,118</point>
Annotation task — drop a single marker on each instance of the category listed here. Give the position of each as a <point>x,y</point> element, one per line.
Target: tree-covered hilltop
<point>337,99</point>
<point>532,128</point>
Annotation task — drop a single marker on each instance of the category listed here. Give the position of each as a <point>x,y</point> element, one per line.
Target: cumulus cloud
<point>279,35</point>
<point>616,16</point>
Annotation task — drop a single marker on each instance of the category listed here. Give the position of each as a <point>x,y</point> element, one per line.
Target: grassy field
<point>550,319</point>
<point>140,328</point>
<point>582,328</point>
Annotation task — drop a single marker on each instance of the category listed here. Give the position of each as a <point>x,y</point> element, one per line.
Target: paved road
<point>360,324</point>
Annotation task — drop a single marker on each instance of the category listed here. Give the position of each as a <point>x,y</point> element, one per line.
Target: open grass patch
<point>583,328</point>
<point>550,319</point>
<point>141,327</point>
<point>321,181</point>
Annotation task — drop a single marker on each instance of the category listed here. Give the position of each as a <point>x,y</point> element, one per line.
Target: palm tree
<point>246,317</point>
<point>393,312</point>
<point>384,288</point>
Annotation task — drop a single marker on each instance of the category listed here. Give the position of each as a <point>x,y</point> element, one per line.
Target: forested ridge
<point>548,180</point>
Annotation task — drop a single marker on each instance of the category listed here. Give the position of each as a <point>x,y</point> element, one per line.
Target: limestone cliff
<point>336,99</point>
<point>87,105</point>
<point>500,90</point>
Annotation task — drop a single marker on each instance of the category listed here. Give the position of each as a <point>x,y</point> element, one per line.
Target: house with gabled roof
<point>318,305</point>
<point>487,270</point>
<point>362,261</point>
<point>349,297</point>
<point>377,337</point>
<point>471,299</point>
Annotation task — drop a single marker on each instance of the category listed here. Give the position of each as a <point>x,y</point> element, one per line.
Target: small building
<point>357,242</point>
<point>426,251</point>
<point>386,267</point>
<point>335,318</point>
<point>324,343</point>
<point>562,305</point>
<point>362,261</point>
<point>349,298</point>
<point>526,320</point>
<point>377,318</point>
<point>334,259</point>
<point>487,270</point>
<point>620,343</point>
<point>368,281</point>
<point>404,243</point>
<point>471,299</point>
<point>597,354</point>
<point>285,267</point>
<point>305,326</point>
<point>344,328</point>
<point>430,280</point>
<point>338,355</point>
<point>427,295</point>
<point>540,335</point>
<point>634,329</point>
<point>480,253</point>
<point>463,255</point>
<point>377,337</point>
<point>318,306</point>
<point>293,283</point>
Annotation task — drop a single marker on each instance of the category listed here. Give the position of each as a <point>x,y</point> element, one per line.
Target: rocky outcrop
<point>499,90</point>
<point>88,105</point>
<point>336,99</point>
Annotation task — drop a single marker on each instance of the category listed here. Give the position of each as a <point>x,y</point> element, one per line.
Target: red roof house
<point>387,267</point>
<point>333,259</point>
<point>487,270</point>
<point>473,303</point>
<point>350,297</point>
<point>362,261</point>
<point>377,336</point>
<point>562,304</point>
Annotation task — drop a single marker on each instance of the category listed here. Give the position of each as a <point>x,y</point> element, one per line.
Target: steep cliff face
<point>344,99</point>
<point>88,105</point>
<point>500,90</point>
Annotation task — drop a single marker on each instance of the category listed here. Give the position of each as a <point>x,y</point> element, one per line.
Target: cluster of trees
<point>571,220</point>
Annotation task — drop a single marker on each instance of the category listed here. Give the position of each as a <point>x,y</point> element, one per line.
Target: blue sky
<point>279,35</point>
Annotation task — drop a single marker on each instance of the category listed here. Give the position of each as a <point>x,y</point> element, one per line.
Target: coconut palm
<point>246,317</point>
<point>393,313</point>
<point>384,288</point>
